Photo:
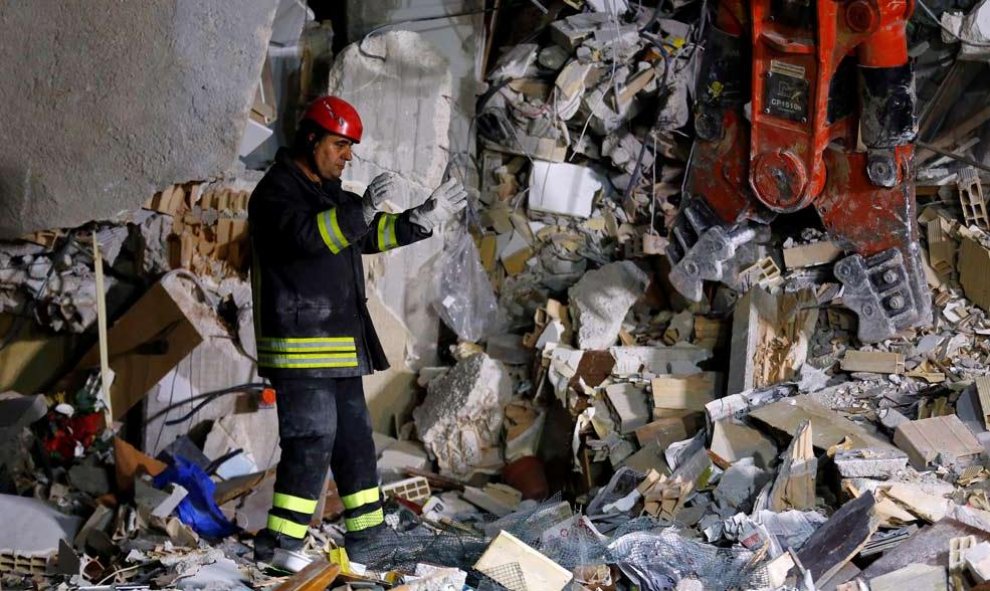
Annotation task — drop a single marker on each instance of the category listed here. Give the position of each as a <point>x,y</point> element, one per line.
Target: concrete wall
<point>459,39</point>
<point>406,126</point>
<point>106,102</point>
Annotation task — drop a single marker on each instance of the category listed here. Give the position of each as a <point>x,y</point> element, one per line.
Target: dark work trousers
<point>324,422</point>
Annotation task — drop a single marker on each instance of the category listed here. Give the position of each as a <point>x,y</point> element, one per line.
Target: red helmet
<point>336,116</point>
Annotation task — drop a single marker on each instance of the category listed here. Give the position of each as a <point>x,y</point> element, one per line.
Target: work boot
<point>266,542</point>
<point>369,545</point>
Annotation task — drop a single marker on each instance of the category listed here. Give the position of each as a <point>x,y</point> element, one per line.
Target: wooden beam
<point>317,576</point>
<point>873,361</point>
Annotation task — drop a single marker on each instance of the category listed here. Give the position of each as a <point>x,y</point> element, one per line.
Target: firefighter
<point>314,333</point>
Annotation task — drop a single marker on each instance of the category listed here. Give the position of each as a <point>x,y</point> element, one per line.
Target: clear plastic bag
<point>463,296</point>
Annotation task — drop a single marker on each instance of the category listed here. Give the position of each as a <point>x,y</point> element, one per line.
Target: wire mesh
<point>405,550</point>
<point>652,559</point>
<point>508,576</point>
<point>530,523</point>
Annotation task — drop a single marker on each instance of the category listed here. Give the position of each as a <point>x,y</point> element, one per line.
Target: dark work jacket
<point>310,310</point>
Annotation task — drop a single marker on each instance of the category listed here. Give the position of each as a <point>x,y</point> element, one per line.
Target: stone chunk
<point>461,419</point>
<point>870,463</point>
<point>601,299</point>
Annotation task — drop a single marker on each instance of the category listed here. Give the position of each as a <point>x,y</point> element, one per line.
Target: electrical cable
<point>956,157</point>
<point>937,21</point>
<point>248,387</point>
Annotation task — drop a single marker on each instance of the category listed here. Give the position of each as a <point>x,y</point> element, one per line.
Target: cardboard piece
<point>146,343</point>
<point>129,462</point>
<point>518,567</point>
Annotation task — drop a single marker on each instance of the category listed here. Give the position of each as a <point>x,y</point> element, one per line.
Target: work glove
<point>446,201</point>
<point>379,190</point>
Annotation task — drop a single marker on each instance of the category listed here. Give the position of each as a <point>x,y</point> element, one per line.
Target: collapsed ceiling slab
<point>107,102</point>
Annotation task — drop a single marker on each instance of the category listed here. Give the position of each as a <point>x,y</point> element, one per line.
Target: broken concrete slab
<point>929,546</point>
<point>31,533</point>
<point>978,561</point>
<point>915,576</point>
<point>973,28</point>
<point>629,403</point>
<point>460,421</point>
<point>733,441</point>
<point>17,412</point>
<point>739,484</point>
<point>172,112</point>
<point>681,358</point>
<point>944,440</point>
<point>870,463</point>
<point>601,299</point>
<point>828,427</point>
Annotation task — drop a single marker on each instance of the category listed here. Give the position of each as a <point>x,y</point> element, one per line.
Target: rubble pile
<point>589,427</point>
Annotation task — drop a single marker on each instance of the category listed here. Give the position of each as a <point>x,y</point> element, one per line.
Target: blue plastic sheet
<point>198,510</point>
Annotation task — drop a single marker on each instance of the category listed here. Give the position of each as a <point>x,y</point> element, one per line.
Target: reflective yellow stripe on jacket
<point>330,231</point>
<point>386,232</point>
<point>307,353</point>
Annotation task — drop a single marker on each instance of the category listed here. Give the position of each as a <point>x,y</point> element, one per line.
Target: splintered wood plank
<point>840,539</point>
<point>983,389</point>
<point>795,484</point>
<point>317,576</point>
<point>873,361</point>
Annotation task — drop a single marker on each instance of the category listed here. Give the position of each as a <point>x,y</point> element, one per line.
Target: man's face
<point>331,155</point>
